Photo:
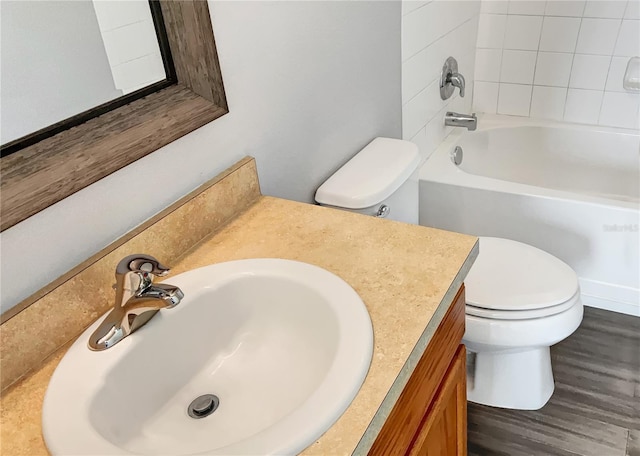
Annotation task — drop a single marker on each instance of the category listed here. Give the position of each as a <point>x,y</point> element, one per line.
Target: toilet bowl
<point>520,299</point>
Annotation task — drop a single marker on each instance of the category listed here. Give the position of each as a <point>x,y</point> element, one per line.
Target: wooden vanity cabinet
<point>430,417</point>
<point>444,429</point>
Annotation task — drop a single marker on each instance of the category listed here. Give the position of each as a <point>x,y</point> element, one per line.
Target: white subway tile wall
<point>495,7</point>
<point>589,71</point>
<point>598,36</point>
<point>618,109</point>
<point>518,66</point>
<point>633,10</point>
<point>613,9</point>
<point>485,96</point>
<point>488,64</point>
<point>583,106</point>
<point>530,7</point>
<point>523,32</point>
<point>431,32</point>
<point>558,59</point>
<point>130,42</point>
<point>629,38</point>
<point>548,102</point>
<point>616,74</point>
<point>559,34</point>
<point>491,30</point>
<point>564,8</point>
<point>514,99</point>
<point>553,69</point>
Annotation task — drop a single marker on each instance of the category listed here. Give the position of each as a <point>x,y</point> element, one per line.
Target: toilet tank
<point>380,180</point>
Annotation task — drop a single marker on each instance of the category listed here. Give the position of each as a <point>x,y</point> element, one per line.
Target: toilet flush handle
<point>383,211</point>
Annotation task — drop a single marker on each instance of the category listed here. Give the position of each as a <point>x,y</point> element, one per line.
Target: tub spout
<point>453,119</point>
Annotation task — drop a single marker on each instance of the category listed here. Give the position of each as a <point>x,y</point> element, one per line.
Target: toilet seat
<point>513,281</point>
<point>522,314</point>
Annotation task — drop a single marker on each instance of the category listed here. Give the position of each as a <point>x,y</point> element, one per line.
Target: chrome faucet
<point>138,299</point>
<point>453,119</point>
<point>456,80</point>
<point>451,78</point>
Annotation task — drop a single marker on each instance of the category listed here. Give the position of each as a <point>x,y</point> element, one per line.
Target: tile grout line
<point>535,65</point>
<point>573,58</point>
<point>604,89</point>
<point>441,36</point>
<point>560,52</point>
<point>626,9</point>
<point>416,9</point>
<point>504,35</point>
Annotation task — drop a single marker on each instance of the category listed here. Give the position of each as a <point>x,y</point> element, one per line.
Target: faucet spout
<point>453,119</point>
<point>158,296</point>
<point>138,299</point>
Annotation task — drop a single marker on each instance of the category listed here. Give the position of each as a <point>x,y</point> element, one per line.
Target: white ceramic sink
<point>284,345</point>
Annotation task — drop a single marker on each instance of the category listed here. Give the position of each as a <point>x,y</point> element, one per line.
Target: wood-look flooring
<point>595,409</point>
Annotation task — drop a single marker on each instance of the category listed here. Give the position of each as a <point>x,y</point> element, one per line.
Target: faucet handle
<point>457,80</point>
<point>140,270</point>
<point>141,263</point>
<point>450,78</point>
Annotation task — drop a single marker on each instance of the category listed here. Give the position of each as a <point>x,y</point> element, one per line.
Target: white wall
<point>431,32</point>
<point>559,59</point>
<point>308,85</point>
<point>53,64</point>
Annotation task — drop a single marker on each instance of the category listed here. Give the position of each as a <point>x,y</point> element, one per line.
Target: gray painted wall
<point>308,85</point>
<point>53,64</point>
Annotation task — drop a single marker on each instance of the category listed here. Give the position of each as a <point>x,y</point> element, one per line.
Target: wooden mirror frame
<point>40,175</point>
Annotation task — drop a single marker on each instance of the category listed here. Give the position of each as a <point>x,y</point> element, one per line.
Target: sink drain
<point>203,406</point>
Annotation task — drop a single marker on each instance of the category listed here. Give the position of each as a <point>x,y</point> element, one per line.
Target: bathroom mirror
<point>58,165</point>
<point>63,59</point>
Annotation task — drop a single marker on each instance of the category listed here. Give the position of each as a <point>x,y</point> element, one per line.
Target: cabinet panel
<point>418,396</point>
<point>444,430</point>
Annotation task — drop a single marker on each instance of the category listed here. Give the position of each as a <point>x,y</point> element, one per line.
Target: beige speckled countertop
<point>407,276</point>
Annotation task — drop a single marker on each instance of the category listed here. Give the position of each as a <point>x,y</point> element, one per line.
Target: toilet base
<point>514,379</point>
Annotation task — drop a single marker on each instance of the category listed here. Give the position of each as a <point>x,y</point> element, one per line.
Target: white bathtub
<point>571,190</point>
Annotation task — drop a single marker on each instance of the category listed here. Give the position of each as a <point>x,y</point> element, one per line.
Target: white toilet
<point>520,299</point>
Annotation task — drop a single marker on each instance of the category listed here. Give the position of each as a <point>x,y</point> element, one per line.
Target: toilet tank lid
<point>371,176</point>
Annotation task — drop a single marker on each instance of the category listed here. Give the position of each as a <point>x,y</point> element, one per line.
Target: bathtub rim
<point>439,168</point>
<point>493,121</point>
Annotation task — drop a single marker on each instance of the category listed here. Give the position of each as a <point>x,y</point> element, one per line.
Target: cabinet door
<point>444,429</point>
<point>421,391</point>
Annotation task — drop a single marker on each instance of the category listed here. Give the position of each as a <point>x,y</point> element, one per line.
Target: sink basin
<point>284,345</point>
